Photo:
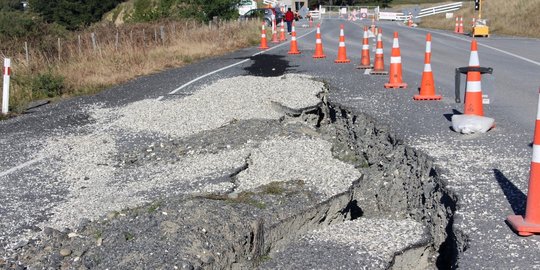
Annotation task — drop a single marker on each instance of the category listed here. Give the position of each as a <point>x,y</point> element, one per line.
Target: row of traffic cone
<point>473,95</point>
<point>458,29</point>
<point>525,225</point>
<point>275,38</point>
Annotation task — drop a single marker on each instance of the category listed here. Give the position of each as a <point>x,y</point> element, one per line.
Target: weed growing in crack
<point>154,207</point>
<point>128,236</point>
<point>274,188</point>
<point>244,197</point>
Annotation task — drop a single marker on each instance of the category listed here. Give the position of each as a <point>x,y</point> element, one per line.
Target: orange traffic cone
<point>378,67</point>
<point>294,45</point>
<point>342,50</point>
<point>365,61</point>
<point>318,44</point>
<point>456,29</point>
<point>530,223</point>
<point>473,92</point>
<point>264,43</point>
<point>282,36</point>
<point>274,32</point>
<point>460,30</point>
<point>395,80</point>
<point>427,88</point>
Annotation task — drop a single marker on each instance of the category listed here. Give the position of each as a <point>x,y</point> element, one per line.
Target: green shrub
<point>48,84</point>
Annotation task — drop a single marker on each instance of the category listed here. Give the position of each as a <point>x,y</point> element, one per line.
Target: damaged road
<point>273,172</point>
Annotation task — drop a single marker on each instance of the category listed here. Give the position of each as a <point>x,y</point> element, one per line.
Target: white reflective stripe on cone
<point>428,46</point>
<point>379,51</point>
<point>396,43</point>
<point>341,44</point>
<point>318,41</point>
<point>365,47</point>
<point>293,38</point>
<point>341,32</point>
<point>473,60</point>
<point>427,67</point>
<point>474,86</point>
<point>536,153</point>
<point>395,60</point>
<point>263,35</point>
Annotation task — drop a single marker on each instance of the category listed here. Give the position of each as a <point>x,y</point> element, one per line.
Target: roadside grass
<point>118,54</point>
<point>513,18</point>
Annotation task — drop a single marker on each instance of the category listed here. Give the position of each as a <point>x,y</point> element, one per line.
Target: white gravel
<point>366,243</point>
<point>309,160</point>
<point>216,105</point>
<point>86,163</point>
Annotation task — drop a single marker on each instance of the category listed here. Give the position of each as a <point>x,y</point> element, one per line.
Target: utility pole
<point>478,7</point>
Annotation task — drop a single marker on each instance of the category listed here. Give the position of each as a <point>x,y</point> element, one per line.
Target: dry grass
<point>515,18</point>
<point>138,50</point>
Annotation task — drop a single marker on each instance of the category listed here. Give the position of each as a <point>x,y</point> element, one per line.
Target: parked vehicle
<point>264,14</point>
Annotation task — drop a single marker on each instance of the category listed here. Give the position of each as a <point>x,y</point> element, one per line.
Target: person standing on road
<point>289,17</point>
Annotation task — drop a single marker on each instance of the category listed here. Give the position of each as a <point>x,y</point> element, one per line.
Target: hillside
<point>515,18</point>
<point>155,10</point>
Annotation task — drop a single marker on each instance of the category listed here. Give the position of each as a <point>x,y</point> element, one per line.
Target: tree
<point>72,14</point>
<point>225,9</point>
<point>10,5</point>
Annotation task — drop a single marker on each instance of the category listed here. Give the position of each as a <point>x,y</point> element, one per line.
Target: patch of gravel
<point>89,164</point>
<point>216,105</point>
<point>357,244</point>
<point>490,181</point>
<point>285,160</point>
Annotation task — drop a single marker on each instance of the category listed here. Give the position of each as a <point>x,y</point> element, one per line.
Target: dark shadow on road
<point>513,194</point>
<point>448,116</point>
<point>268,65</point>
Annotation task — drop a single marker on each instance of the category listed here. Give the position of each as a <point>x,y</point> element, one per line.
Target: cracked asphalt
<point>487,172</point>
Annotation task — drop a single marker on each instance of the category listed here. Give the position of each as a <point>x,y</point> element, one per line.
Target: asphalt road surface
<point>488,172</point>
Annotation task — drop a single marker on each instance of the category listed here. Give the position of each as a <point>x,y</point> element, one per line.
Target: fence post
<point>162,33</point>
<point>116,41</point>
<point>94,45</point>
<point>26,52</point>
<point>79,44</point>
<point>5,96</point>
<point>59,50</point>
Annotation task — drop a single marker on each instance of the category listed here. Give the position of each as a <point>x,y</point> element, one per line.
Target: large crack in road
<point>293,184</point>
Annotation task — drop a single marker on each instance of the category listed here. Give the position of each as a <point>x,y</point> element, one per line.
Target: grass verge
<point>88,62</point>
<point>514,18</point>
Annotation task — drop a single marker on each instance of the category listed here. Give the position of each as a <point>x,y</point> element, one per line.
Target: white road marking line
<point>21,166</point>
<point>159,98</point>
<point>367,71</point>
<point>232,65</point>
<point>511,54</point>
<point>487,46</point>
